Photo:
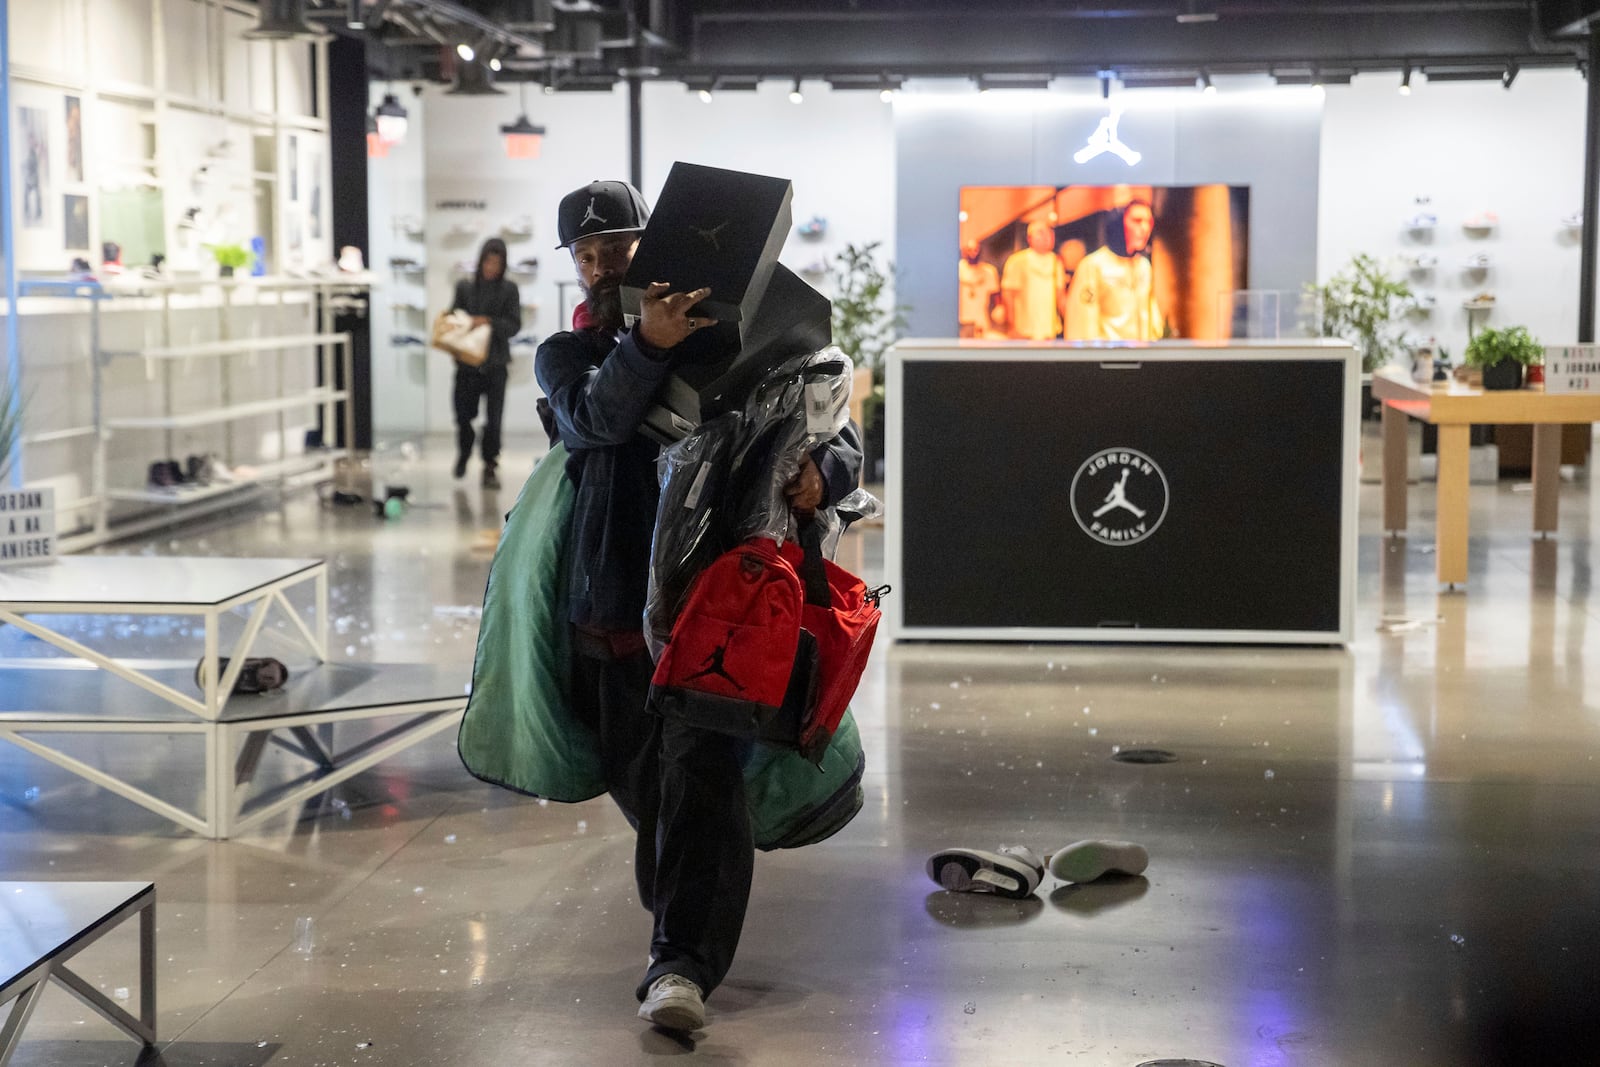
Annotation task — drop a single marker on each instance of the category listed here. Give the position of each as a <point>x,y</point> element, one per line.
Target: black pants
<point>488,382</point>
<point>682,789</point>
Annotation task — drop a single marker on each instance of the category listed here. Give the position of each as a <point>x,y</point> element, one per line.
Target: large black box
<point>716,229</point>
<point>793,320</point>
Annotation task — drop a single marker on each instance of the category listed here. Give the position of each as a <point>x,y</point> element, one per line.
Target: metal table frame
<point>217,690</point>
<point>234,749</point>
<point>26,988</point>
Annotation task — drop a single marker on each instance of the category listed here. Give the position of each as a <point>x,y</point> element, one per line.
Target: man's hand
<point>805,489</point>
<point>664,319</point>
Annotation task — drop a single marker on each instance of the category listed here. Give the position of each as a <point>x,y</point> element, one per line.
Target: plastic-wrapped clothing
<point>724,483</point>
<point>519,731</point>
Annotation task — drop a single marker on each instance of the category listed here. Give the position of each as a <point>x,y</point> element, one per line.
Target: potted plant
<point>1502,355</point>
<point>865,324</point>
<point>1364,305</point>
<point>230,258</point>
<point>10,427</point>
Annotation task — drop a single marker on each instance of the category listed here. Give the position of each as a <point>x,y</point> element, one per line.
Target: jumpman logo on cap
<point>591,213</point>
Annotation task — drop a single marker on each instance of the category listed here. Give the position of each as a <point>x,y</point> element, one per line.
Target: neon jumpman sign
<point>1104,139</point>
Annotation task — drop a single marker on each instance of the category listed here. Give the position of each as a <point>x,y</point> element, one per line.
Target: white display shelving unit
<point>245,309</point>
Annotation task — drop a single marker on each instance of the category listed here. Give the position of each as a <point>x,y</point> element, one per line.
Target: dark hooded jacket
<point>496,300</point>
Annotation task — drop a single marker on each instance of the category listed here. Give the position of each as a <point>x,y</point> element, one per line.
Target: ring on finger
<point>694,324</point>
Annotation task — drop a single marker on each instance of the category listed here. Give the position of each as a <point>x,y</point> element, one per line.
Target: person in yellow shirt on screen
<point>1112,296</point>
<point>1033,287</point>
<point>980,284</point>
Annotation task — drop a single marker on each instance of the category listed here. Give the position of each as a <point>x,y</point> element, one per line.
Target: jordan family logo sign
<point>1119,496</point>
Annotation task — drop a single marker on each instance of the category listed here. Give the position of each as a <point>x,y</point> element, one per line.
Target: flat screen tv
<point>1100,262</point>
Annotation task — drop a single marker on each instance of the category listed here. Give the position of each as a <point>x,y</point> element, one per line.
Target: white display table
<point>1172,491</point>
<point>166,585</point>
<point>91,693</point>
<point>43,925</point>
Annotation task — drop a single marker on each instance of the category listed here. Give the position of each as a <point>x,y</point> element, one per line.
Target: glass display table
<point>43,925</point>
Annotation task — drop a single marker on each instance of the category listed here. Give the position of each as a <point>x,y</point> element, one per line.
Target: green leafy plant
<point>231,256</point>
<point>865,323</point>
<point>10,426</point>
<point>1363,305</point>
<point>1490,347</point>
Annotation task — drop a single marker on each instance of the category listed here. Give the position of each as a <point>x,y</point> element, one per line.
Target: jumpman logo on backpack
<point>715,667</point>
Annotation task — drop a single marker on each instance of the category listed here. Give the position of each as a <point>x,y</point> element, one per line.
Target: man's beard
<point>604,301</point>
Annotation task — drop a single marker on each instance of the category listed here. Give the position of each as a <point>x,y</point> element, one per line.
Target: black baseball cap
<point>600,207</point>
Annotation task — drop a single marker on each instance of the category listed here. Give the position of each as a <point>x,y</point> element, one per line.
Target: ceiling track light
<point>354,20</point>
<point>466,52</point>
<point>1206,85</point>
<point>795,96</point>
<point>1105,84</point>
<point>1405,81</point>
<point>1510,74</point>
<point>1194,12</point>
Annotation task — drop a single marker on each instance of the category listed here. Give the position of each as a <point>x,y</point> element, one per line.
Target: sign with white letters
<point>1572,369</point>
<point>27,525</point>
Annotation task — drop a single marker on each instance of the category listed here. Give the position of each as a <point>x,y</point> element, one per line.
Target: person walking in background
<point>491,299</point>
<point>1033,287</point>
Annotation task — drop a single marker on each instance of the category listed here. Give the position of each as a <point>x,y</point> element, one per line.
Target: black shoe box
<point>793,320</point>
<point>717,229</point>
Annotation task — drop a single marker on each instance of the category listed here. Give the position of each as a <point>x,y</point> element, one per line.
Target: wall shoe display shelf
<point>91,692</point>
<point>124,510</point>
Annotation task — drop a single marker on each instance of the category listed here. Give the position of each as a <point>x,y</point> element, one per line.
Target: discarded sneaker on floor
<point>674,1003</point>
<point>1013,871</point>
<point>258,675</point>
<point>1087,860</point>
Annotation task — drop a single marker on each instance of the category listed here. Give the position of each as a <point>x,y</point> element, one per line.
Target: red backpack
<point>770,646</point>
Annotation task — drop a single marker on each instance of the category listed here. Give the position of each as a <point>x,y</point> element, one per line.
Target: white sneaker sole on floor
<point>674,1008</point>
<point>1087,860</point>
<point>967,870</point>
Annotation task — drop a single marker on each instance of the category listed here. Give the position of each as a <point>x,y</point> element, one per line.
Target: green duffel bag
<point>519,733</point>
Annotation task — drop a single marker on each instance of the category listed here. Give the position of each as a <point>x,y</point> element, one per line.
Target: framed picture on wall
<point>74,141</point>
<point>75,222</point>
<point>33,166</point>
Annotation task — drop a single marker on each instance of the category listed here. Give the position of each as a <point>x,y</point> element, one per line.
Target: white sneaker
<point>1425,220</point>
<point>1423,261</point>
<point>674,1003</point>
<point>1573,221</point>
<point>1477,261</point>
<point>1013,871</point>
<point>1087,860</point>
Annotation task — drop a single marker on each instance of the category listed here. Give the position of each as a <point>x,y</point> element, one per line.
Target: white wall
<point>1469,146</point>
<point>838,148</point>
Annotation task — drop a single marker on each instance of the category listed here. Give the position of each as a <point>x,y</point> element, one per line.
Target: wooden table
<point>1455,409</point>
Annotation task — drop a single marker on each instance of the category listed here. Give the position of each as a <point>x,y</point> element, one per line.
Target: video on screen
<point>1100,262</point>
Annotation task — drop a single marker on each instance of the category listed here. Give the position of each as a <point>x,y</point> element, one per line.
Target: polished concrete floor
<point>1387,854</point>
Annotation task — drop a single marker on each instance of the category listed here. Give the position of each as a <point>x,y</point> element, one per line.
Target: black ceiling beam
<point>975,36</point>
<point>1562,18</point>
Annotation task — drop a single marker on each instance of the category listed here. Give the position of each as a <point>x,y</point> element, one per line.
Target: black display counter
<point>1174,491</point>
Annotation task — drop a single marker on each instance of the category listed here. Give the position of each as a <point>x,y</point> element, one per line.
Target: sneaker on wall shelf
<point>1422,261</point>
<point>1573,221</point>
<point>406,340</point>
<point>1479,261</point>
<point>1481,220</point>
<point>1479,302</point>
<point>1422,220</point>
<point>528,267</point>
<point>521,226</point>
<point>1423,303</point>
<point>405,265</point>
